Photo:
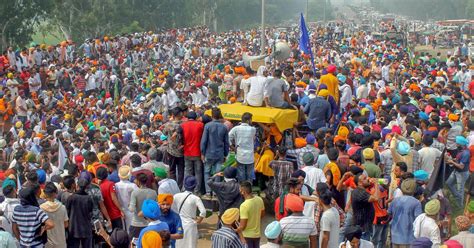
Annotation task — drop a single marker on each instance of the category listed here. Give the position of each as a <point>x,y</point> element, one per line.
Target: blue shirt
<point>303,100</point>
<point>464,158</point>
<point>404,211</point>
<point>114,177</point>
<point>215,140</point>
<point>319,112</point>
<point>174,223</point>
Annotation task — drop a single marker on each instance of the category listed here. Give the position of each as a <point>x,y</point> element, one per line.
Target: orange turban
<point>294,203</point>
<point>165,199</point>
<point>240,70</point>
<point>338,138</point>
<point>151,239</point>
<point>138,132</point>
<point>300,142</point>
<point>433,129</point>
<point>453,117</point>
<point>415,88</point>
<point>301,84</point>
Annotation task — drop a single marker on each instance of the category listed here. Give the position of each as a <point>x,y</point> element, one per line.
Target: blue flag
<point>305,45</point>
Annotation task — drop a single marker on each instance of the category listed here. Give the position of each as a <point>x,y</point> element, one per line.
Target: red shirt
<point>192,133</point>
<point>471,88</point>
<point>107,188</point>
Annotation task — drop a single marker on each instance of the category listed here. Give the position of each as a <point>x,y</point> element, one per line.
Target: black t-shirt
<point>362,209</point>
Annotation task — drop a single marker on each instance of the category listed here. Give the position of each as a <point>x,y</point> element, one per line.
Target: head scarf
<point>160,172</point>
<point>119,238</point>
<point>470,206</point>
<point>124,172</point>
<point>151,239</point>
<point>432,207</point>
<point>230,216</point>
<point>421,242</point>
<point>273,230</point>
<point>421,175</point>
<point>150,209</point>
<point>230,172</point>
<point>463,223</point>
<point>165,199</point>
<point>408,186</point>
<point>294,203</point>
<point>28,197</point>
<point>190,183</point>
<point>453,244</point>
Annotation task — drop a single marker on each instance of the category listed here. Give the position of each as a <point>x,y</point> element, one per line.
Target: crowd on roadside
<point>120,141</point>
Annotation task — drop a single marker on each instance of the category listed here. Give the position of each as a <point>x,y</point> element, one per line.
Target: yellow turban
<point>343,132</point>
<point>323,93</point>
<point>165,199</point>
<point>432,207</point>
<point>151,239</point>
<point>230,216</point>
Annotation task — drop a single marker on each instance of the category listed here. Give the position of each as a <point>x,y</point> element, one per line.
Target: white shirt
<point>90,85</point>
<point>428,156</point>
<point>168,186</point>
<point>188,206</point>
<point>124,190</point>
<point>314,176</point>
<point>7,207</point>
<point>470,137</point>
<point>33,84</point>
<point>270,245</point>
<point>255,93</point>
<point>172,99</point>
<point>386,73</point>
<point>330,223</point>
<point>424,226</point>
<point>200,97</point>
<point>242,136</point>
<point>362,92</point>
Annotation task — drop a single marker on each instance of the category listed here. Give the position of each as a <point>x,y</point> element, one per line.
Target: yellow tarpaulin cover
<point>283,118</point>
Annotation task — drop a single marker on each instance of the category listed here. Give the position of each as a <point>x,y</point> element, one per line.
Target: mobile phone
<point>97,225</point>
<point>134,241</point>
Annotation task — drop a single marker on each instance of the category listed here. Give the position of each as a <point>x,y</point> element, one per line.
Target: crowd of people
<point>120,142</point>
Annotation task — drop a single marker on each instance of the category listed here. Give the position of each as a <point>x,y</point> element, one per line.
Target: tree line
<point>80,19</point>
<point>428,9</point>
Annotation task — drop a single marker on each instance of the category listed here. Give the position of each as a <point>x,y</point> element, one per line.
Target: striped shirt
<point>29,220</point>
<point>297,229</point>
<point>226,238</point>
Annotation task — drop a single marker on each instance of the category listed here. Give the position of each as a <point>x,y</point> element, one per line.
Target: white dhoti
<point>190,237</point>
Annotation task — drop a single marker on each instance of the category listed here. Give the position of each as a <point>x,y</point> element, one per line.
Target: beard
<point>165,211</point>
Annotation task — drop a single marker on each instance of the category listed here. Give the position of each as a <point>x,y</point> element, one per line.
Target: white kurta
<point>124,191</point>
<point>188,216</point>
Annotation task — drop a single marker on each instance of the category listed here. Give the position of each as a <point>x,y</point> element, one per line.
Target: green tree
<point>19,18</point>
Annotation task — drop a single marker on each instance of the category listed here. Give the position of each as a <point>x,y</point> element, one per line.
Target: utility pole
<point>307,10</point>
<point>325,10</point>
<point>262,35</point>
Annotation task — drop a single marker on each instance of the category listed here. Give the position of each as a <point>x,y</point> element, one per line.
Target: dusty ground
<point>209,225</point>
